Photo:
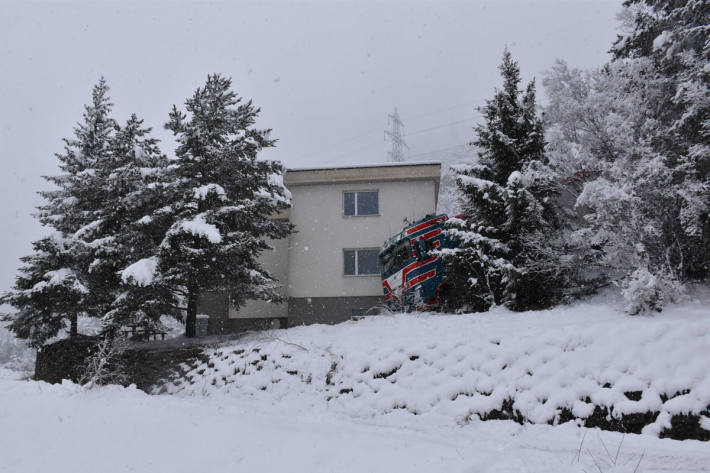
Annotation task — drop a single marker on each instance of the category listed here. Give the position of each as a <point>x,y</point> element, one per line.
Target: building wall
<point>310,261</point>
<point>276,263</point>
<point>316,251</point>
<point>328,310</point>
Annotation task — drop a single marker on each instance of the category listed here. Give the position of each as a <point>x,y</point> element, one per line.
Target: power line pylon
<point>395,133</point>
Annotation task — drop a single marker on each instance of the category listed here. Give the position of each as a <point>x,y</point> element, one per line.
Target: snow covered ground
<point>62,428</point>
<point>547,366</point>
<point>288,408</point>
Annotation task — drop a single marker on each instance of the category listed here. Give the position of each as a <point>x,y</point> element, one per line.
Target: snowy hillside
<point>64,428</point>
<point>389,394</point>
<point>588,362</point>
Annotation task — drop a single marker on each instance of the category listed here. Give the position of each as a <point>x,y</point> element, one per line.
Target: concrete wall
<point>216,305</point>
<point>316,251</point>
<point>327,310</point>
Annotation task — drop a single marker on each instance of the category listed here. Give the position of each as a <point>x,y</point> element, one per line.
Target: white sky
<point>325,74</point>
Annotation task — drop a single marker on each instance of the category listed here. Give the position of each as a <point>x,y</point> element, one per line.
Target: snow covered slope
<point>64,428</point>
<point>588,362</point>
<point>342,399</point>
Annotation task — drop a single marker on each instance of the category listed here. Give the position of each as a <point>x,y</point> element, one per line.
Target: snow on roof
<point>369,165</point>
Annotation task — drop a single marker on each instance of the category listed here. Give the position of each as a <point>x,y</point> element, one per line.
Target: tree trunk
<point>191,318</point>
<point>74,327</point>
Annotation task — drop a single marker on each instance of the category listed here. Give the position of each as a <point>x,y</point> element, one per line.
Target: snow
<point>453,368</point>
<point>369,165</point>
<point>278,181</point>
<point>61,277</point>
<point>274,199</point>
<point>141,272</point>
<point>199,227</point>
<point>88,228</point>
<point>291,426</point>
<point>202,191</point>
<point>14,353</point>
<point>480,184</point>
<point>662,39</point>
<point>515,178</point>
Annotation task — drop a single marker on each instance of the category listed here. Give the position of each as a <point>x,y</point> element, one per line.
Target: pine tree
<point>221,201</point>
<point>129,188</point>
<point>52,288</point>
<point>47,293</point>
<point>69,208</point>
<point>504,254</point>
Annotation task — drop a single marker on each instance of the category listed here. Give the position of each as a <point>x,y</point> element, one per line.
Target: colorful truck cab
<point>413,275</point>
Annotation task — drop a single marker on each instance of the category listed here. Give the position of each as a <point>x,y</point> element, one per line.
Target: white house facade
<point>328,268</point>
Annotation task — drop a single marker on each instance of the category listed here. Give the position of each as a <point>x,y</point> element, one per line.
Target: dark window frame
<point>355,205</point>
<point>357,272</point>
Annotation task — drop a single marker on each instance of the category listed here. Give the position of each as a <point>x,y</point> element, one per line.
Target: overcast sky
<point>325,74</point>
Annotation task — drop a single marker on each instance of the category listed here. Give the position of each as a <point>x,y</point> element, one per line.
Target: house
<point>328,268</point>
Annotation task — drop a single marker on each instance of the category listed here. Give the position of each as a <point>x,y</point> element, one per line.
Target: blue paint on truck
<point>413,273</point>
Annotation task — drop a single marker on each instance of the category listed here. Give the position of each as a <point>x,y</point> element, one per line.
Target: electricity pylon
<point>395,133</point>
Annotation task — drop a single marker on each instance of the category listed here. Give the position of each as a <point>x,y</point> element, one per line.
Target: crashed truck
<point>413,274</point>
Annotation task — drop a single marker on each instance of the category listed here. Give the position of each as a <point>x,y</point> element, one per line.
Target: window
<point>361,203</point>
<point>361,262</point>
<point>397,257</point>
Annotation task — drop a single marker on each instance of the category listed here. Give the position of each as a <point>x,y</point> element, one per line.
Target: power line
<point>411,117</point>
<point>440,149</point>
<point>361,148</point>
<point>439,126</point>
<point>441,110</point>
<point>336,145</point>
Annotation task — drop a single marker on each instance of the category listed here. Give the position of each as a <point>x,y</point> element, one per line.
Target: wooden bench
<point>138,332</point>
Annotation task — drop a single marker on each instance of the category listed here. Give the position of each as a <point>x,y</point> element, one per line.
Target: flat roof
<point>369,165</point>
<point>407,171</point>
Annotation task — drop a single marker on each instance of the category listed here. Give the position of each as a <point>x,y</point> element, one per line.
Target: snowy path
<point>64,429</point>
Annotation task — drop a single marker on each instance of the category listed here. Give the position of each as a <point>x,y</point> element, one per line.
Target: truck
<point>413,274</point>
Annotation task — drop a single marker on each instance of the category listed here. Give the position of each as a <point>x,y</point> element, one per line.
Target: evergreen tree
<point>47,294</point>
<point>672,40</point>
<point>220,201</point>
<point>70,208</point>
<point>642,121</point>
<point>125,235</point>
<point>505,254</point>
<point>52,289</point>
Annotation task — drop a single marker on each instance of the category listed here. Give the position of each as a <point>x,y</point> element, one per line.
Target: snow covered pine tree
<point>221,201</point>
<point>673,39</point>
<point>52,288</point>
<point>124,236</point>
<point>643,122</point>
<point>505,254</point>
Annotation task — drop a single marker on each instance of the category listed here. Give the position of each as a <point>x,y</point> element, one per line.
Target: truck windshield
<point>396,257</point>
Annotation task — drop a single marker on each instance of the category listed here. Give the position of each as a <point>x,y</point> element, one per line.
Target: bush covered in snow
<point>15,354</point>
<point>645,292</point>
